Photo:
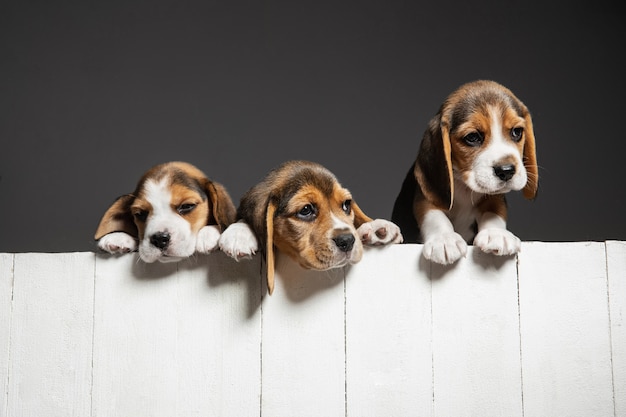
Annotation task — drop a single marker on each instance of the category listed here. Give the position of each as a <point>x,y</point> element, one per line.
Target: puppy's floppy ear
<point>223,210</point>
<point>118,218</point>
<point>530,159</point>
<point>359,216</point>
<point>257,208</point>
<point>433,167</point>
<point>269,245</point>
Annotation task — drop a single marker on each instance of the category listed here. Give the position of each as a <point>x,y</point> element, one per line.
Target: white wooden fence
<point>538,335</point>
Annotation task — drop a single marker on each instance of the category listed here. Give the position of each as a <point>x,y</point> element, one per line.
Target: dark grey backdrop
<point>94,93</point>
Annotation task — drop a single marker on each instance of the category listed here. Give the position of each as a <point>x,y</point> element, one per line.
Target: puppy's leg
<point>379,232</point>
<point>238,241</point>
<point>208,239</point>
<point>442,244</point>
<point>117,242</point>
<point>493,237</point>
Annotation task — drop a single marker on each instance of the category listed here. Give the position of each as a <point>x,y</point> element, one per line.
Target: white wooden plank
<point>51,335</point>
<point>134,364</point>
<point>388,332</point>
<point>476,359</point>
<point>303,362</point>
<point>177,339</point>
<point>566,362</point>
<point>219,337</point>
<point>616,267</point>
<point>184,339</point>
<point>6,290</point>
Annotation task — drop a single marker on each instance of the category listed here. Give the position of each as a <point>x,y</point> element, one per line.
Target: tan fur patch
<point>310,240</point>
<point>448,159</point>
<point>187,185</point>
<point>197,217</point>
<point>139,209</point>
<point>463,155</point>
<point>180,195</point>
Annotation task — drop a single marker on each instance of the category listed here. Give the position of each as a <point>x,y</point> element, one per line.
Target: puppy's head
<point>301,209</point>
<point>482,136</point>
<point>170,204</point>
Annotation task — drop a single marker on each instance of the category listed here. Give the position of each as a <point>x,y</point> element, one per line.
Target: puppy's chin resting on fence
<point>301,210</point>
<point>174,212</point>
<point>478,147</point>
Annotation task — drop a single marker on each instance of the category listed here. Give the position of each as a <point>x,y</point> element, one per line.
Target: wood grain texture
<point>566,348</point>
<point>303,343</point>
<point>94,335</point>
<point>388,335</point>
<point>6,307</point>
<point>51,335</point>
<point>477,367</point>
<point>616,268</point>
<point>176,339</point>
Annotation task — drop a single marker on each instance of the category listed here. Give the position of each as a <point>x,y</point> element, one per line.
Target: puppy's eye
<point>347,206</point>
<point>140,215</point>
<point>186,208</point>
<point>516,133</point>
<point>307,212</point>
<point>474,139</point>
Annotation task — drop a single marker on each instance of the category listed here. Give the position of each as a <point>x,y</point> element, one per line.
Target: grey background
<point>94,93</point>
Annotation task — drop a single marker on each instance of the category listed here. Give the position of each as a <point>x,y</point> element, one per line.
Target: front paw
<point>118,242</point>
<point>379,232</point>
<point>498,241</point>
<point>445,248</point>
<point>207,239</point>
<point>238,241</point>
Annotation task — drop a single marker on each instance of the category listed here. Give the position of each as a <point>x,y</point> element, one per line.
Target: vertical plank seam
<point>519,330</point>
<point>93,332</point>
<point>262,294</point>
<point>177,327</point>
<point>432,338</point>
<point>9,344</point>
<point>608,304</point>
<point>345,345</point>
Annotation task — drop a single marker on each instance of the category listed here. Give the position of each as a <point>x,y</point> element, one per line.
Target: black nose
<point>344,242</point>
<point>160,239</point>
<point>504,172</point>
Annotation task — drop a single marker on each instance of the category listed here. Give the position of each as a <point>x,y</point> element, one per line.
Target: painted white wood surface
<point>476,339</point>
<point>564,315</point>
<point>616,267</point>
<point>388,335</point>
<point>176,339</point>
<point>303,355</point>
<point>51,335</point>
<point>6,293</point>
<point>540,335</point>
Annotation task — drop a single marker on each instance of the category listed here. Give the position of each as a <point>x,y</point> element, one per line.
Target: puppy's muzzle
<point>344,242</point>
<point>160,240</point>
<point>504,172</point>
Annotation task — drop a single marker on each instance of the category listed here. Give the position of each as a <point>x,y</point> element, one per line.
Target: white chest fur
<point>463,213</point>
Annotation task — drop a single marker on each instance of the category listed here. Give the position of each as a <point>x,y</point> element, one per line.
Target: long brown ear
<point>530,160</point>
<point>359,216</point>
<point>223,210</point>
<point>269,245</point>
<point>118,218</point>
<point>433,167</point>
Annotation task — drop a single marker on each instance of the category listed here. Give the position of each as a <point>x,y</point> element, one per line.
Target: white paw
<point>118,242</point>
<point>379,232</point>
<point>445,248</point>
<point>207,239</point>
<point>498,241</point>
<point>238,241</point>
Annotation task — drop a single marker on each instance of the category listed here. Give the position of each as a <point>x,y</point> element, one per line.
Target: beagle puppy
<point>300,209</point>
<point>174,212</point>
<point>478,147</point>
